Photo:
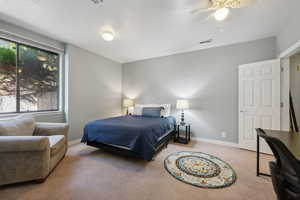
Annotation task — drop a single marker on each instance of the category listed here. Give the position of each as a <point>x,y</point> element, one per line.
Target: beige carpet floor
<point>87,173</point>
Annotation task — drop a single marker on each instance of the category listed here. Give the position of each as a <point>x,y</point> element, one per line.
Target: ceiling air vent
<point>206,41</point>
<point>97,1</point>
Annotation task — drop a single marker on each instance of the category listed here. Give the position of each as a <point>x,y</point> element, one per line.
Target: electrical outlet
<point>224,134</point>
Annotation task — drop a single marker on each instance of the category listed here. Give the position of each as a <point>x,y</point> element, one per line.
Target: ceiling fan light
<point>108,36</point>
<point>221,14</point>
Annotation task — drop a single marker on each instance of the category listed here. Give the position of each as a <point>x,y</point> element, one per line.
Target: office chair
<point>285,170</point>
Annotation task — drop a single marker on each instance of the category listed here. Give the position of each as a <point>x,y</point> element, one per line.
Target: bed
<point>130,135</point>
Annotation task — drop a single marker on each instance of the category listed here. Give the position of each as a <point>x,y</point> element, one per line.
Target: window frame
<point>17,83</point>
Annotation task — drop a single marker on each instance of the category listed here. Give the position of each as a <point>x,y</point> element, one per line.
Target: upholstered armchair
<point>30,156</point>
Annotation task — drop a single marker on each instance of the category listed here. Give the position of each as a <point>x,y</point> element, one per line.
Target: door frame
<point>285,84</point>
<point>285,94</point>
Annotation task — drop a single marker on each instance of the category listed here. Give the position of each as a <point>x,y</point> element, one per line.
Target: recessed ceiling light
<point>221,14</point>
<point>108,36</point>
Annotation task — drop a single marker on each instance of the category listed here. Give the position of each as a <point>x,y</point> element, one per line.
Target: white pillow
<point>23,125</point>
<point>138,109</point>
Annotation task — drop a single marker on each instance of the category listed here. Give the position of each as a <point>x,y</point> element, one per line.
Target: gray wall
<point>290,33</point>
<point>208,78</point>
<point>93,89</point>
<point>295,83</point>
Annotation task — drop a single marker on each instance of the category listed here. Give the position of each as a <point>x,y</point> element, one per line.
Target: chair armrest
<point>49,129</point>
<point>23,143</point>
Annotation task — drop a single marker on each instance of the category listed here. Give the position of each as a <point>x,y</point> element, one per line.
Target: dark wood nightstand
<point>180,139</point>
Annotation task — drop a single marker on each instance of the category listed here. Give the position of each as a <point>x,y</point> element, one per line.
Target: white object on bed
<point>138,109</point>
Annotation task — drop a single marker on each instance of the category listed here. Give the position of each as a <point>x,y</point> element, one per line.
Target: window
<point>29,78</point>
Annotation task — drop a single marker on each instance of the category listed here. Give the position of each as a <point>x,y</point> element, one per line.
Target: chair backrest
<point>22,125</point>
<point>285,160</point>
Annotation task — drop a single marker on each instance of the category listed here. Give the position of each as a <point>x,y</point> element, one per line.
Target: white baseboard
<point>218,142</point>
<point>74,142</point>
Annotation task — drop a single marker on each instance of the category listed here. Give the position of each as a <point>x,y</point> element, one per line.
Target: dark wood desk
<point>290,139</point>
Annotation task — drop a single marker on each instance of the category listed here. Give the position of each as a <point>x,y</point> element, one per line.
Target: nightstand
<point>180,139</point>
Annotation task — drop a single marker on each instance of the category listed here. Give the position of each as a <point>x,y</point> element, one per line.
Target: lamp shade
<point>127,102</point>
<point>182,104</point>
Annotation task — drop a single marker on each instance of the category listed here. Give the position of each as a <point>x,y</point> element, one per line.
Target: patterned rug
<point>200,169</point>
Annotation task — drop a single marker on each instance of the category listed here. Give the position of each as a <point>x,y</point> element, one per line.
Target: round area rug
<point>200,169</point>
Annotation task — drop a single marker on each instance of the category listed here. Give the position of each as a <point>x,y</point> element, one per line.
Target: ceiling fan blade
<point>238,3</point>
<point>205,3</point>
<point>200,10</point>
<point>204,6</point>
<point>246,3</point>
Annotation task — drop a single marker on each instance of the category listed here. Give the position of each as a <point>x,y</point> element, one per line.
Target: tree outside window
<point>29,78</point>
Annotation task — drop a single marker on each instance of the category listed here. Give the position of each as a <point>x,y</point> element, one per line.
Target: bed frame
<point>162,143</point>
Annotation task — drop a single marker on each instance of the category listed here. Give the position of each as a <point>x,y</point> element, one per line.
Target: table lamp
<point>182,105</point>
<point>127,103</point>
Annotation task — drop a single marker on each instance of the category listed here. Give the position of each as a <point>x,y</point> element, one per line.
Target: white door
<point>259,101</point>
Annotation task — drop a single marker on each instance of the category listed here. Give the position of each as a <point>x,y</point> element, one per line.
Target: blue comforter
<point>139,134</point>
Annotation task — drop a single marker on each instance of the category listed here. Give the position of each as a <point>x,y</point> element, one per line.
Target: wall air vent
<point>206,41</point>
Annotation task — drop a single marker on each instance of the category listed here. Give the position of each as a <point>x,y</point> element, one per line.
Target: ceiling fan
<point>221,8</point>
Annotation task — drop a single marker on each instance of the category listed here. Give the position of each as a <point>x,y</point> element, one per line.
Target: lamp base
<point>182,119</point>
<point>182,123</point>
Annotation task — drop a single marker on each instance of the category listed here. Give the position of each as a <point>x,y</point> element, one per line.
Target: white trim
<point>290,51</point>
<point>74,142</point>
<point>61,75</point>
<point>218,142</point>
<point>259,62</point>
<point>29,41</point>
<point>36,114</point>
<point>285,94</point>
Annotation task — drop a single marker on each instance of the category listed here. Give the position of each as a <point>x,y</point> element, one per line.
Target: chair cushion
<point>57,142</point>
<point>20,126</point>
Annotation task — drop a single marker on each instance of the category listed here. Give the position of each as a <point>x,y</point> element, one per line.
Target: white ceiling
<point>144,28</point>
